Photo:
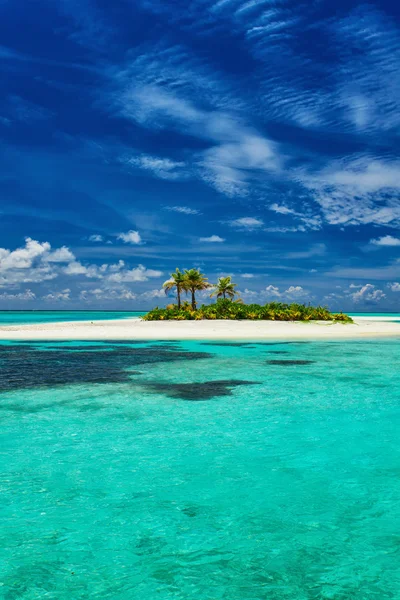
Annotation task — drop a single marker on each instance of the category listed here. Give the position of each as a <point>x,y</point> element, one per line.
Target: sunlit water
<point>24,317</point>
<point>274,473</point>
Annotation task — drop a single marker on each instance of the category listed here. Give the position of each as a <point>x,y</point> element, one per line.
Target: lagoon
<point>176,470</point>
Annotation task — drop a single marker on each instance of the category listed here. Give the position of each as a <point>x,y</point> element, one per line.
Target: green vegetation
<point>195,281</point>
<point>225,288</point>
<point>227,307</point>
<point>177,281</point>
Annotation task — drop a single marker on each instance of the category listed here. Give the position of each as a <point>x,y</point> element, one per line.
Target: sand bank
<point>134,329</point>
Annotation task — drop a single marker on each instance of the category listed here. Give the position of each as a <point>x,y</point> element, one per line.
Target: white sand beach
<point>134,329</point>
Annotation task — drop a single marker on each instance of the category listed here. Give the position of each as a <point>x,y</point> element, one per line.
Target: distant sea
<point>25,317</point>
<point>200,470</point>
<point>375,314</point>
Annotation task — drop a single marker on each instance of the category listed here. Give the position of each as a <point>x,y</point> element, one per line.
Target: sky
<point>251,138</point>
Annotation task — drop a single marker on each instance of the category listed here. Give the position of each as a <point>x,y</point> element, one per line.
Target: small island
<point>229,305</point>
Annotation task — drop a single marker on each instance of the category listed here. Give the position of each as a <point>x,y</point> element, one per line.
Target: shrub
<point>227,309</point>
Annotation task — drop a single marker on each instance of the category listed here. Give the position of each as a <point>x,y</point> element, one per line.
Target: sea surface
<point>376,314</point>
<point>26,317</point>
<point>200,470</point>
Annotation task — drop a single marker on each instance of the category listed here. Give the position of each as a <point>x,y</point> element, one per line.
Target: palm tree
<point>194,282</point>
<point>177,281</point>
<point>225,288</point>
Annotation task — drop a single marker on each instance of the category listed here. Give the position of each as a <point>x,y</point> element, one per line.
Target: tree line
<point>192,281</point>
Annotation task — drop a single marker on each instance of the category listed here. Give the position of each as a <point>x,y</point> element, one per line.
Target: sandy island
<point>135,329</point>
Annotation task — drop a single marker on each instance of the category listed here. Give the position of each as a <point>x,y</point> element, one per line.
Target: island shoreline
<point>136,329</point>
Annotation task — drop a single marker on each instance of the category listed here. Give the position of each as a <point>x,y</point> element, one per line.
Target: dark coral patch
<point>228,344</point>
<point>289,363</point>
<point>285,343</point>
<point>92,348</point>
<point>25,367</point>
<point>198,391</point>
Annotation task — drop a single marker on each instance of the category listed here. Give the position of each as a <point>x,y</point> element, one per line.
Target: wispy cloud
<point>27,295</point>
<point>362,190</point>
<point>237,151</point>
<point>315,250</point>
<point>164,168</point>
<point>185,210</point>
<point>246,223</point>
<point>212,239</point>
<point>23,110</point>
<point>307,219</point>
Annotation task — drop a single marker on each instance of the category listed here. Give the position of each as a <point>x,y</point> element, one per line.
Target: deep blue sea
<point>200,471</point>
<point>25,317</point>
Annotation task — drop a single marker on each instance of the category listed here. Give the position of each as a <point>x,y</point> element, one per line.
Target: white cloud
<point>281,209</point>
<point>114,273</point>
<point>296,292</point>
<point>36,262</point>
<point>23,258</point>
<point>248,223</point>
<point>61,255</point>
<point>26,295</point>
<point>33,263</point>
<point>272,291</point>
<point>293,293</point>
<point>386,240</point>
<point>140,273</point>
<point>75,268</point>
<point>357,191</point>
<point>130,237</point>
<point>62,296</point>
<point>153,294</point>
<point>394,287</point>
<point>185,210</point>
<point>103,294</point>
<point>247,275</point>
<point>368,294</point>
<point>96,238</point>
<point>250,294</point>
<point>212,239</point>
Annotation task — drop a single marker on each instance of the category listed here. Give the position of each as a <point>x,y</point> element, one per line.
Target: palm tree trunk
<point>223,293</point>
<point>193,300</point>
<point>178,295</point>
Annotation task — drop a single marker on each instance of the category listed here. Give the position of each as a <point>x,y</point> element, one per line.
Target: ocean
<point>27,317</point>
<point>200,470</point>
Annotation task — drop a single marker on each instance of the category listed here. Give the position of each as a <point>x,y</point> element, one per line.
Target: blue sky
<point>255,138</point>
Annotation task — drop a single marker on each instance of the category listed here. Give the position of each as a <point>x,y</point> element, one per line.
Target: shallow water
<point>26,317</point>
<point>200,471</point>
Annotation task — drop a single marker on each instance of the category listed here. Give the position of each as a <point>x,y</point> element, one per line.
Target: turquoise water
<point>374,314</point>
<point>200,471</point>
<point>19,317</point>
